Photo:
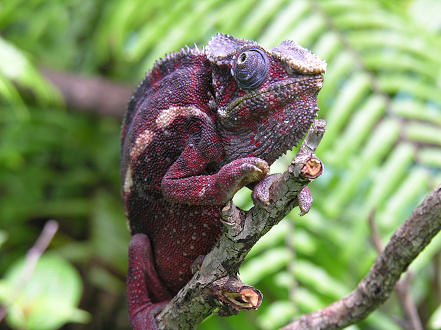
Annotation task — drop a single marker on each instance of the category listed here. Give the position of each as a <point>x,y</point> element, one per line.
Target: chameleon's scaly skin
<point>201,125</point>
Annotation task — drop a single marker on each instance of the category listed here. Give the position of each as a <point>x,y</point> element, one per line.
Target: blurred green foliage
<point>382,148</point>
<point>54,286</point>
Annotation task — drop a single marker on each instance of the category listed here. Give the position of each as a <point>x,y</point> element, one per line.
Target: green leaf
<point>425,12</point>
<point>276,315</point>
<point>435,319</point>
<point>398,207</point>
<point>430,157</point>
<point>282,21</point>
<point>308,29</point>
<point>358,129</point>
<point>47,300</point>
<point>352,92</point>
<point>15,66</point>
<point>308,300</point>
<point>392,171</point>
<point>268,263</point>
<point>423,133</point>
<point>318,280</point>
<point>258,17</point>
<point>3,237</point>
<point>413,109</point>
<point>379,144</point>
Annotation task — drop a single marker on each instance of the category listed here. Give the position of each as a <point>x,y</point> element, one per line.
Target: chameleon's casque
<point>201,125</point>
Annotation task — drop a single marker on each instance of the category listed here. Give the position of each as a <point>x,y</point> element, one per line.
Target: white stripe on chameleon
<point>167,116</point>
<point>141,143</point>
<point>127,187</point>
<point>128,181</point>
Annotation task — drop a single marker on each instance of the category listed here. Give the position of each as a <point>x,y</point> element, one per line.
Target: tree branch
<point>91,94</point>
<point>404,246</point>
<point>216,284</point>
<point>407,303</point>
<point>412,320</point>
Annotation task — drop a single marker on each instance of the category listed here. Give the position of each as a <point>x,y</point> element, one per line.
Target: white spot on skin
<point>202,192</point>
<point>128,181</point>
<point>192,247</point>
<point>141,143</point>
<point>128,223</point>
<point>167,116</point>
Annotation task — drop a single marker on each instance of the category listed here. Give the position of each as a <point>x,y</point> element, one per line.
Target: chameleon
<point>200,126</point>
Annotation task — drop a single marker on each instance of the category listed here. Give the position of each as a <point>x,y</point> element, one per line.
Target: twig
<point>407,303</point>
<point>289,242</point>
<point>402,287</point>
<point>436,278</point>
<point>404,246</point>
<point>216,284</point>
<point>375,236</point>
<point>90,93</point>
<point>32,257</point>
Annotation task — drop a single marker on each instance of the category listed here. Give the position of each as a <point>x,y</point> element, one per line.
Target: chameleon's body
<point>203,124</point>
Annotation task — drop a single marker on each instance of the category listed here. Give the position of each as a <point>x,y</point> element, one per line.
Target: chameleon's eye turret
<point>251,68</point>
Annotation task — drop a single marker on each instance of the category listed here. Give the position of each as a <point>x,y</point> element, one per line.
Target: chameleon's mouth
<point>284,91</point>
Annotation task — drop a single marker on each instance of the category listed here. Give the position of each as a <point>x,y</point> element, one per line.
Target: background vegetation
<point>382,151</point>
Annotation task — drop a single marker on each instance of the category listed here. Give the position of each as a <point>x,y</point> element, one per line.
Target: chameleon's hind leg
<point>146,294</point>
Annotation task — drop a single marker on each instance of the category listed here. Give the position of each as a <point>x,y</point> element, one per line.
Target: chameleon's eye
<point>251,68</point>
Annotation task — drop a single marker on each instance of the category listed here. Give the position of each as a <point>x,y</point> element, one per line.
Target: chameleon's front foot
<point>146,294</point>
<point>216,189</point>
<point>241,172</point>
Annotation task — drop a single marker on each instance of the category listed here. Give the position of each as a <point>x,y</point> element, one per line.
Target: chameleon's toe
<point>263,191</point>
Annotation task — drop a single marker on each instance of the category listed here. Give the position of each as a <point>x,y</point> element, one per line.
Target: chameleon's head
<point>265,99</point>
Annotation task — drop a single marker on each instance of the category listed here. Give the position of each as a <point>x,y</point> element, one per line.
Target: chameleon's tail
<point>146,294</point>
